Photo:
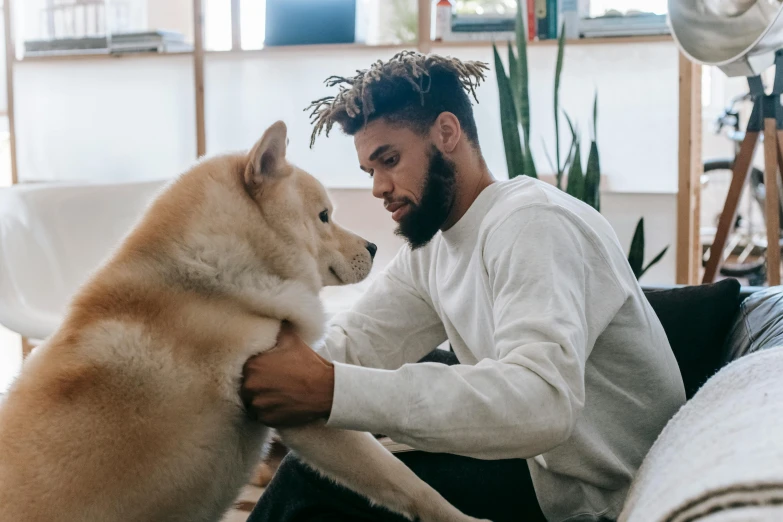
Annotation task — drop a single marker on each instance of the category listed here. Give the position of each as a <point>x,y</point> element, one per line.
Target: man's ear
<point>267,157</point>
<point>446,132</point>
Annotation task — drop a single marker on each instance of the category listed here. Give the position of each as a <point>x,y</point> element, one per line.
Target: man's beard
<point>423,221</point>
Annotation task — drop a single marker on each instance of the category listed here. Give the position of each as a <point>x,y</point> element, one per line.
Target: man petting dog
<point>562,375</point>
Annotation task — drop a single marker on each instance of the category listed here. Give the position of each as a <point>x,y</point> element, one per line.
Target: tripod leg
<point>739,173</point>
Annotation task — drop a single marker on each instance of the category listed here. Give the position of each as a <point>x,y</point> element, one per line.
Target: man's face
<point>410,174</point>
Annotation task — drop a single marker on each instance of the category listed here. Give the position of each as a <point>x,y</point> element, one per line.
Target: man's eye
<point>324,216</point>
<point>391,160</point>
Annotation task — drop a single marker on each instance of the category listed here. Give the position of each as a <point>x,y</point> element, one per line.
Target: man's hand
<point>289,384</point>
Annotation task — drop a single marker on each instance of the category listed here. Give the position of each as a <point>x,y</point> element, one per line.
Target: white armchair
<point>52,236</point>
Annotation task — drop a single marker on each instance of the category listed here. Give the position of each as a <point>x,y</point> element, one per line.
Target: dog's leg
<point>359,462</point>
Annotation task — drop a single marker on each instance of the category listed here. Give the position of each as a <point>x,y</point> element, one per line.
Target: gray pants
<point>500,490</point>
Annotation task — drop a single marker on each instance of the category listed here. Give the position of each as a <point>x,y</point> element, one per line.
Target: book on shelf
<point>118,43</point>
<point>546,18</point>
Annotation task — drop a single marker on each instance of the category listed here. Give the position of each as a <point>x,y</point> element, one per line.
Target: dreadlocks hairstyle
<point>410,89</point>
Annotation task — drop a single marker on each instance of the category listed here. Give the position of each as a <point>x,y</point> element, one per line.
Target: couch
<point>720,458</point>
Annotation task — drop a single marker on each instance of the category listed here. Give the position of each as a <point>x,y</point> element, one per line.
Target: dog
<point>131,412</point>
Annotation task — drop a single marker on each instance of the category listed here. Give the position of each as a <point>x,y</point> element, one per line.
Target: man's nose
<point>372,248</point>
<point>381,185</point>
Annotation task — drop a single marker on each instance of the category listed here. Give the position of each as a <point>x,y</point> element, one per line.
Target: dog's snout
<point>372,248</point>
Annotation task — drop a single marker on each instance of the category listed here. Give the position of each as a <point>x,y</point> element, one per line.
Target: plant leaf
<point>513,76</point>
<point>549,159</point>
<point>570,125</point>
<point>595,117</point>
<point>558,72</point>
<point>530,167</point>
<point>576,180</point>
<point>593,178</point>
<point>636,254</point>
<point>524,93</point>
<point>653,262</point>
<point>567,162</point>
<point>515,160</point>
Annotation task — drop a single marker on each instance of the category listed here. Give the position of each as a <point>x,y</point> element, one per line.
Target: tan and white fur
<point>130,411</point>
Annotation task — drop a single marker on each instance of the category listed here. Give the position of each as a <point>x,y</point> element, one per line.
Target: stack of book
<point>149,42</point>
<point>119,43</point>
<point>631,24</point>
<point>545,18</point>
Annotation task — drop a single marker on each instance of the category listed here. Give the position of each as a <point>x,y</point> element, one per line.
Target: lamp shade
<point>738,36</point>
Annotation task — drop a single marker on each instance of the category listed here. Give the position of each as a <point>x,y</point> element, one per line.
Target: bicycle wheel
<point>742,257</point>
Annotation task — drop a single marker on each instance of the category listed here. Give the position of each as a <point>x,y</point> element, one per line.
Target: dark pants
<point>499,490</point>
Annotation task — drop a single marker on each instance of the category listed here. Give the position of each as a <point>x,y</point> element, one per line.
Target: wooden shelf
<point>346,48</point>
<point>98,56</point>
<point>313,48</point>
<point>619,40</point>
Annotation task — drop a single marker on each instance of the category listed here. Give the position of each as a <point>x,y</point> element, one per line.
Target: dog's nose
<point>372,249</point>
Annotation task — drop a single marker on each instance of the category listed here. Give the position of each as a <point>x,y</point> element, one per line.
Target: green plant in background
<point>636,255</point>
<point>583,184</point>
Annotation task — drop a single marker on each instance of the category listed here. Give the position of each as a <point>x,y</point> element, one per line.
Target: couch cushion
<point>758,325</point>
<point>696,320</point>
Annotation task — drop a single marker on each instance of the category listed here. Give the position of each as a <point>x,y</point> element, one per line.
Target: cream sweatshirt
<point>562,360</point>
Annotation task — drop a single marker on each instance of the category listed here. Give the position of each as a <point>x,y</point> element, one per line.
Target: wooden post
<point>236,26</point>
<point>690,168</point>
<point>771,200</point>
<point>425,21</point>
<point>198,70</point>
<point>10,56</point>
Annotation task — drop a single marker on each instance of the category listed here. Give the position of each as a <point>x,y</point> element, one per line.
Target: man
<point>565,376</point>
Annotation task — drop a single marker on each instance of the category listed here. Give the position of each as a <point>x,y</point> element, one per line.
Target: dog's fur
<point>130,411</point>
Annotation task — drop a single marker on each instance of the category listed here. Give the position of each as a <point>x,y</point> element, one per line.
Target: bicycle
<point>744,254</point>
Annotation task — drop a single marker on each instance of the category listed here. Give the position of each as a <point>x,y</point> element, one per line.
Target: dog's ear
<point>267,157</point>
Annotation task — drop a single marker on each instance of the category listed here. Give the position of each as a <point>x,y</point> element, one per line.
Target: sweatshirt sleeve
<point>393,323</point>
<point>553,292</point>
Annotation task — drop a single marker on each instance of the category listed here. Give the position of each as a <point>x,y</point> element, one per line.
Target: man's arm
<point>553,293</point>
<point>393,323</point>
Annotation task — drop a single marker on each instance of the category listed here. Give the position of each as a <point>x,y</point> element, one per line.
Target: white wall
<point>105,119</point>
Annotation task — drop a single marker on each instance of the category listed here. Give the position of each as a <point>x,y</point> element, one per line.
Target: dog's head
<point>297,210</point>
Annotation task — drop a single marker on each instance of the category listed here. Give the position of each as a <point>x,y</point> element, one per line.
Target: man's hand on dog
<point>289,384</point>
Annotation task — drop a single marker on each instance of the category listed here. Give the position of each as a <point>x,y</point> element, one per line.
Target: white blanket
<point>720,459</point>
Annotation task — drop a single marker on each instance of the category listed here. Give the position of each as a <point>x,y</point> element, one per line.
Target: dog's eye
<point>324,216</point>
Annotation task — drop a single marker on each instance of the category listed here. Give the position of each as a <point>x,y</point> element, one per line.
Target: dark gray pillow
<point>758,325</point>
<point>696,320</point>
